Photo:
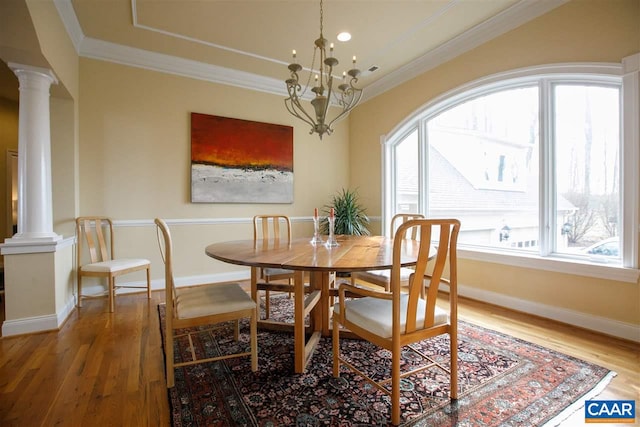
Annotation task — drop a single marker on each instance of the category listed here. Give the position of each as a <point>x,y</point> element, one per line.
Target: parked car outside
<point>608,247</point>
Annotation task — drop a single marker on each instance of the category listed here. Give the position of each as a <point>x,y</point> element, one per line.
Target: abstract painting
<point>240,161</point>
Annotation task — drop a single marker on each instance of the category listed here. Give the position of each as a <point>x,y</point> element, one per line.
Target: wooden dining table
<point>353,253</point>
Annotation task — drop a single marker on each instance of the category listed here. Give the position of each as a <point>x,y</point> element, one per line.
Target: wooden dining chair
<point>208,304</point>
<point>96,232</point>
<point>394,320</point>
<point>276,227</point>
<point>383,277</point>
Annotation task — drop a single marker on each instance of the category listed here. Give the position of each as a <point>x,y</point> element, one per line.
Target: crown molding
<point>520,13</point>
<point>112,52</point>
<point>70,22</point>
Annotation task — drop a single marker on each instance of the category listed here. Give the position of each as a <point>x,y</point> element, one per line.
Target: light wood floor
<point>105,369</point>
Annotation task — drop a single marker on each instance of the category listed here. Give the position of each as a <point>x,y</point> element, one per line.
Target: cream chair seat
<point>207,304</point>
<point>375,315</point>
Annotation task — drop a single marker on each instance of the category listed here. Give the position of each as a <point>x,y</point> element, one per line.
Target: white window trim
<point>629,70</point>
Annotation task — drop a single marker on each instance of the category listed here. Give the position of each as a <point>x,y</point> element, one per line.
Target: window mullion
<point>423,170</point>
<point>388,180</point>
<point>547,199</point>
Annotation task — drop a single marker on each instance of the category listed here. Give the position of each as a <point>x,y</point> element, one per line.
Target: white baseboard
<point>587,321</point>
<point>29,325</point>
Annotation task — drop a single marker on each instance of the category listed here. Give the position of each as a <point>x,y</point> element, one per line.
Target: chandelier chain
<point>321,18</point>
<point>313,61</point>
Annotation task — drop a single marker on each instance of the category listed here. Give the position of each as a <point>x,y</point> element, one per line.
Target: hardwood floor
<point>105,368</point>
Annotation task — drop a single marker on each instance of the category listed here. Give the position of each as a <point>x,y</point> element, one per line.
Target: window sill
<point>555,264</point>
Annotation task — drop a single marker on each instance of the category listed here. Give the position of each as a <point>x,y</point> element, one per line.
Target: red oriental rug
<point>504,381</point>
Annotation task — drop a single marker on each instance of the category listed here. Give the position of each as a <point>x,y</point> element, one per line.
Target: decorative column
<point>35,208</point>
<point>37,262</point>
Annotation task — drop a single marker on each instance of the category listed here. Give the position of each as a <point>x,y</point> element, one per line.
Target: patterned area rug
<point>504,381</point>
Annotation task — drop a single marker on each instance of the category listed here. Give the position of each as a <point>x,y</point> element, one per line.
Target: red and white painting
<point>240,161</point>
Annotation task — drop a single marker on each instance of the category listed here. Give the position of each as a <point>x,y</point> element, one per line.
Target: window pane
<point>587,143</point>
<point>483,168</point>
<point>407,174</point>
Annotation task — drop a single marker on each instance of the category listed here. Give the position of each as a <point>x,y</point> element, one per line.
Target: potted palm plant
<point>350,216</point>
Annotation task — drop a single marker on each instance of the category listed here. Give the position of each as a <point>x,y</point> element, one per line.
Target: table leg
<point>322,313</point>
<point>298,328</point>
<point>254,287</point>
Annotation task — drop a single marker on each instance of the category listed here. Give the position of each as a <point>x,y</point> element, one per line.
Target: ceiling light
<point>344,36</point>
<point>346,96</point>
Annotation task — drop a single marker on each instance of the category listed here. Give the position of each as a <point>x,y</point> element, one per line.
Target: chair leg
<point>395,386</point>
<point>254,340</point>
<point>453,379</point>
<point>267,304</point>
<point>112,294</point>
<point>336,346</point>
<point>149,282</point>
<point>168,350</point>
<point>79,290</point>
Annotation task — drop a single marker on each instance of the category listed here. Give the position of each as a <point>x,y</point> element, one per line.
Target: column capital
<point>19,69</point>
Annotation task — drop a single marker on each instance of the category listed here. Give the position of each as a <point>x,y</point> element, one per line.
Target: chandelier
<point>346,96</point>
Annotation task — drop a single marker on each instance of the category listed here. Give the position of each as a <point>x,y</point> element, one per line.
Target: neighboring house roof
<point>450,190</point>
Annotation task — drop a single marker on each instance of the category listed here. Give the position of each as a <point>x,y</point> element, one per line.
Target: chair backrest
<point>399,219</point>
<point>166,251</point>
<point>275,227</point>
<point>97,233</point>
<point>429,264</point>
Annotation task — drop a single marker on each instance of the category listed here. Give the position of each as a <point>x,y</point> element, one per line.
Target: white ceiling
<point>249,42</point>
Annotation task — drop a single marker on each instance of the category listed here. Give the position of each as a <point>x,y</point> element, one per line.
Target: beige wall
<point>134,159</point>
<point>580,31</point>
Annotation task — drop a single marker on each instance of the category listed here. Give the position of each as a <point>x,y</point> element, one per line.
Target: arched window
<point>530,162</point>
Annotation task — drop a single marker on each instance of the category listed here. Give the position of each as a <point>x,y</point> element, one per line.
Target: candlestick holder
<point>317,240</point>
<point>331,241</point>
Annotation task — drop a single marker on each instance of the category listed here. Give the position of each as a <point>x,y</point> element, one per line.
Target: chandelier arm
<point>294,107</point>
<point>330,90</point>
<point>356,95</point>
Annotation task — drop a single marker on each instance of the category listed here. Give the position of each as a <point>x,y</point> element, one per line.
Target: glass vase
<point>316,240</point>
<point>331,241</point>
